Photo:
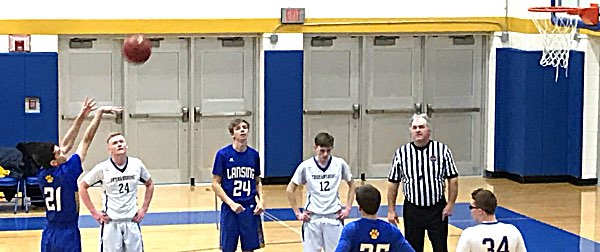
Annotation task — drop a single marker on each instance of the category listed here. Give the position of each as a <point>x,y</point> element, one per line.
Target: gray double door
<point>364,89</point>
<point>177,105</point>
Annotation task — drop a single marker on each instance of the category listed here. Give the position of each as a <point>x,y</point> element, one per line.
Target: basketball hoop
<point>558,37</point>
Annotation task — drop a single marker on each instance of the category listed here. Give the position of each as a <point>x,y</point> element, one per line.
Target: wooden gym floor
<point>552,217</point>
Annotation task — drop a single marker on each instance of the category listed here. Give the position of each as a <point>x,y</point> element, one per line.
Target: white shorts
<point>321,232</point>
<point>118,236</point>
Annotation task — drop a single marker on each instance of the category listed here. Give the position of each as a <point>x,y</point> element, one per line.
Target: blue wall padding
<point>538,129</point>
<point>12,91</point>
<point>283,112</point>
<point>28,75</point>
<point>42,81</point>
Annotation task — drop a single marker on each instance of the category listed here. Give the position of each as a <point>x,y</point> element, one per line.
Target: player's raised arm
<point>88,136</point>
<point>68,140</point>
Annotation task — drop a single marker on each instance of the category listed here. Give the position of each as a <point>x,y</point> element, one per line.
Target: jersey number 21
<point>52,196</point>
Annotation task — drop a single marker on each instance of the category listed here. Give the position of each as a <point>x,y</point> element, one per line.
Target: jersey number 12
<point>52,196</point>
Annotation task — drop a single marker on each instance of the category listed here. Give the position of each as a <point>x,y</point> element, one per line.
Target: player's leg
<point>312,236</point>
<point>230,230</point>
<point>332,230</point>
<point>47,237</point>
<point>252,238</point>
<point>68,239</point>
<point>413,228</point>
<point>111,238</point>
<point>132,237</point>
<point>437,230</point>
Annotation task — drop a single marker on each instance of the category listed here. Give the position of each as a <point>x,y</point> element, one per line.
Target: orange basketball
<point>137,49</point>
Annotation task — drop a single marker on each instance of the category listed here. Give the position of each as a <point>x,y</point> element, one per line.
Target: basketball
<point>137,49</point>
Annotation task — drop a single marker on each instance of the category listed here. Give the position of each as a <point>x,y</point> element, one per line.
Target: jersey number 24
<point>240,186</point>
<point>52,198</point>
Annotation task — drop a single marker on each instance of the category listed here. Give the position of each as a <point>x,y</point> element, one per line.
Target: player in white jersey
<point>323,214</point>
<point>489,234</point>
<point>120,216</point>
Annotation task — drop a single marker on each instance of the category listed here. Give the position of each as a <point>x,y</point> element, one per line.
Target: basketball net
<point>557,40</point>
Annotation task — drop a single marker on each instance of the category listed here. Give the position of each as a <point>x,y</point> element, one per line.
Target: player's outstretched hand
<point>259,208</point>
<point>237,208</point>
<point>111,109</point>
<point>100,217</point>
<point>89,105</point>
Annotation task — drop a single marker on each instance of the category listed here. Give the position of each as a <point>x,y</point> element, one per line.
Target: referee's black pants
<point>417,219</point>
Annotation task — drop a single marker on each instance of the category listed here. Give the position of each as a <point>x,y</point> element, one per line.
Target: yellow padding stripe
<point>257,26</point>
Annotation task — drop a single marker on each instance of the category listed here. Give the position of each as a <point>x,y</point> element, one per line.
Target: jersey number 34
<point>52,198</point>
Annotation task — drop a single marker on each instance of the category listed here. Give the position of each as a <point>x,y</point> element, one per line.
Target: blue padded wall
<point>12,90</point>
<point>42,81</point>
<point>538,129</point>
<point>28,75</point>
<point>283,112</point>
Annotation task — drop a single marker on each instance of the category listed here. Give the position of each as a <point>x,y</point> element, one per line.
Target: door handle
<point>418,108</point>
<point>119,117</point>
<point>185,114</point>
<point>197,114</point>
<point>355,111</point>
<point>429,110</point>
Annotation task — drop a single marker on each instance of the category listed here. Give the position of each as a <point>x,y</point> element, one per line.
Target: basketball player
<point>120,216</point>
<point>323,214</point>
<point>58,182</point>
<point>236,181</point>
<point>369,233</point>
<point>489,234</point>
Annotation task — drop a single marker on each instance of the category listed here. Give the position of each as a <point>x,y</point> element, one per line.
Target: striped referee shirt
<point>423,171</point>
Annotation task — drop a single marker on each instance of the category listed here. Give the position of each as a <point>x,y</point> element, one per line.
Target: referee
<point>423,166</point>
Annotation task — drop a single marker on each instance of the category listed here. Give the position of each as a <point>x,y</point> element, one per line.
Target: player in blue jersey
<point>236,180</point>
<point>369,233</point>
<point>58,182</point>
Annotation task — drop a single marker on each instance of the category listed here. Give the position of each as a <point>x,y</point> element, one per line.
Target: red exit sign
<point>292,15</point>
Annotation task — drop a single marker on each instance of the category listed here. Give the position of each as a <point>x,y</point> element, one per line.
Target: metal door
<point>156,101</point>
<point>223,89</point>
<point>331,103</point>
<point>452,94</point>
<point>391,93</point>
<point>86,69</point>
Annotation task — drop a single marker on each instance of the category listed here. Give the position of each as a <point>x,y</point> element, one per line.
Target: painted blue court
<point>538,236</point>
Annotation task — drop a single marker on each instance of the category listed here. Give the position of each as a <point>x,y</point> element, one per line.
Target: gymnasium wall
<point>283,61</point>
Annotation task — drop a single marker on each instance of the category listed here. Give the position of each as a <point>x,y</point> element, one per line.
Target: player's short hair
<point>113,134</point>
<point>485,199</point>
<point>323,139</point>
<point>235,122</point>
<point>368,198</point>
<point>42,153</point>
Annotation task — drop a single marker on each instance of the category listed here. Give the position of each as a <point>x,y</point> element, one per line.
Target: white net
<point>557,40</point>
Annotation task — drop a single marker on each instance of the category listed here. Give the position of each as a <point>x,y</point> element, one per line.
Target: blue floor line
<point>538,236</point>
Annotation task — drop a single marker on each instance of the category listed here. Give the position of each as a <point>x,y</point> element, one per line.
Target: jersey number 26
<point>52,198</point>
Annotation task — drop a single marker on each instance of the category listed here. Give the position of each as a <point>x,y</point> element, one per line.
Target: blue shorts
<point>61,239</point>
<point>246,226</point>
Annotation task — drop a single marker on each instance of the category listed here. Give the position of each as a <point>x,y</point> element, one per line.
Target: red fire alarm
<point>19,43</point>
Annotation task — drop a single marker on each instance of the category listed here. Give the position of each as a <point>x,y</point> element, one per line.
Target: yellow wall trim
<point>267,25</point>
